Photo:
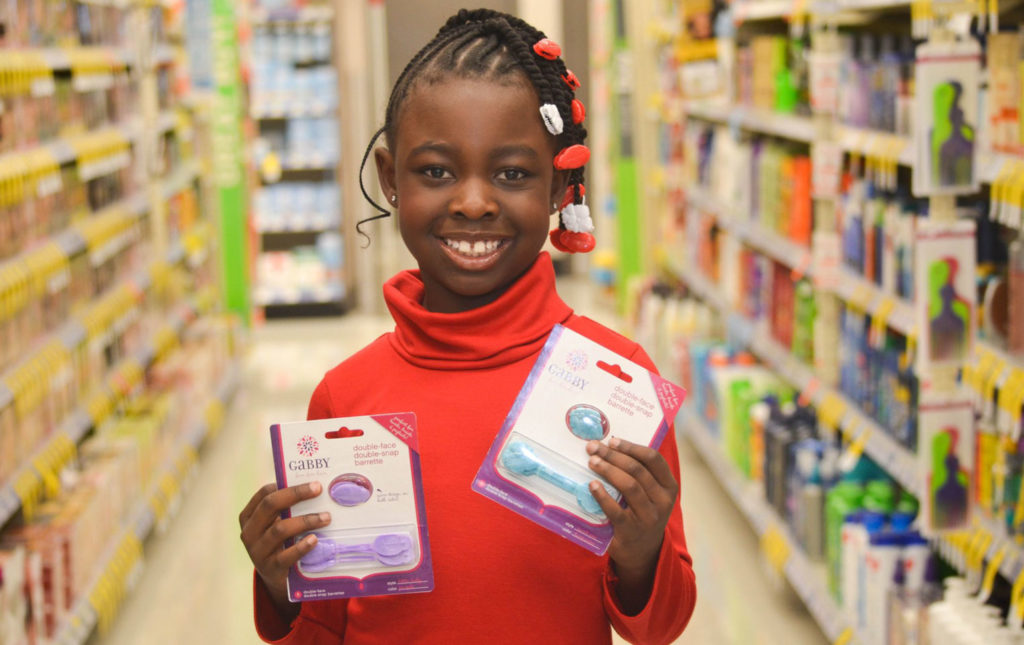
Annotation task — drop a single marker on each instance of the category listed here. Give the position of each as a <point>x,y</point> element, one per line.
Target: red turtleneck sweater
<point>498,577</point>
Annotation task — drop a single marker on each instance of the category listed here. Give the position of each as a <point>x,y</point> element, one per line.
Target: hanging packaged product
<point>946,136</point>
<point>369,468</point>
<point>945,461</point>
<point>944,256</point>
<point>577,391</point>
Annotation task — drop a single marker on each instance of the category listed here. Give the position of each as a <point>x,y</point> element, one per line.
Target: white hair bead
<point>552,119</point>
<point>576,218</point>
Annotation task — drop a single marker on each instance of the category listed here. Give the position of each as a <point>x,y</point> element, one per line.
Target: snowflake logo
<point>576,360</point>
<point>308,446</point>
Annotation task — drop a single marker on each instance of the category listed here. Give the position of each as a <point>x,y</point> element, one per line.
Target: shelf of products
<point>110,314</point>
<point>807,578</point>
<point>114,572</point>
<point>294,102</point>
<point>102,350</point>
<point>806,206</point>
<point>849,286</point>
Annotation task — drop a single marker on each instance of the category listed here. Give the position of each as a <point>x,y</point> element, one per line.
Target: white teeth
<point>473,249</point>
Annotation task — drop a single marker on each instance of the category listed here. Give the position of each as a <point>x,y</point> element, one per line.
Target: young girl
<point>484,143</point>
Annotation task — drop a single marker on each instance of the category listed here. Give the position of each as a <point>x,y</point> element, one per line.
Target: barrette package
<point>577,390</point>
<point>369,468</point>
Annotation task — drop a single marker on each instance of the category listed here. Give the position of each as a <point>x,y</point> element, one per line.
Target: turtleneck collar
<point>504,331</point>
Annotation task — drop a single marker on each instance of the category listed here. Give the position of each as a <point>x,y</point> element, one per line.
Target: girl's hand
<point>264,534</point>
<point>649,489</point>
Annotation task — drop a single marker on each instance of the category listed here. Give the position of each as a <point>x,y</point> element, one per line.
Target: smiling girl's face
<point>471,167</point>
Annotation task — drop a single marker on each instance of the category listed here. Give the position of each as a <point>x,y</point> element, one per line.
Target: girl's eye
<point>435,172</point>
<point>512,174</point>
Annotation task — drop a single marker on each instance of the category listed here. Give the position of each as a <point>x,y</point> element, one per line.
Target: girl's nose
<point>473,200</point>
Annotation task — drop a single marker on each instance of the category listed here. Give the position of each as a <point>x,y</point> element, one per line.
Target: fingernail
<point>311,539</point>
<point>614,442</point>
<point>595,461</point>
<point>325,517</point>
<point>594,486</point>
<point>315,488</point>
<point>592,447</point>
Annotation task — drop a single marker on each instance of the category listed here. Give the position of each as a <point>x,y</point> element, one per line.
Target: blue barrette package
<point>577,391</point>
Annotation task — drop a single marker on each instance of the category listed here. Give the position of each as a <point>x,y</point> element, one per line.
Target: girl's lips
<point>475,255</point>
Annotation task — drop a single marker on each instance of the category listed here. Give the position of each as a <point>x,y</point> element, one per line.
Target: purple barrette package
<point>369,468</point>
<point>577,391</point>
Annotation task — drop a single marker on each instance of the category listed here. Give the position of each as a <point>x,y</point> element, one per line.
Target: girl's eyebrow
<point>514,150</point>
<point>500,152</point>
<point>431,146</point>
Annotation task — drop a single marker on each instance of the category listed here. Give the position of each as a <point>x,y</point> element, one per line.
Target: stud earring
<point>394,199</point>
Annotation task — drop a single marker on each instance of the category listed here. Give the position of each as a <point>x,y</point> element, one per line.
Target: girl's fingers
<point>652,460</point>
<point>611,508</point>
<point>287,558</point>
<point>250,508</point>
<point>269,507</point>
<point>268,545</point>
<point>623,476</point>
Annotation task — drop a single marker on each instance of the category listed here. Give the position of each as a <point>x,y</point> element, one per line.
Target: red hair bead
<point>571,80</point>
<point>556,240</point>
<point>575,156</point>
<point>578,111</point>
<point>548,49</point>
<point>570,196</point>
<point>578,242</point>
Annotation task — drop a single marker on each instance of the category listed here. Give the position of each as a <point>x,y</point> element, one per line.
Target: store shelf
<point>751,10</point>
<point>850,287</point>
<point>162,494</point>
<point>898,461</point>
<point>298,223</point>
<point>66,58</point>
<point>99,406</point>
<point>308,160</point>
<point>806,577</point>
<point>869,143</point>
<point>326,294</point>
<point>100,146</point>
<point>292,110</point>
<point>878,144</point>
<point>43,261</point>
<point>180,179</point>
<point>869,297</point>
<point>290,15</point>
<point>787,126</point>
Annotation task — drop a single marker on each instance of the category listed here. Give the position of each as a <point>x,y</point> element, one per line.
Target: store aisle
<point>195,587</point>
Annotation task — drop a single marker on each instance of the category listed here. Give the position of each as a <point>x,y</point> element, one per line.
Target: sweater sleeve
<point>674,593</point>
<point>320,622</point>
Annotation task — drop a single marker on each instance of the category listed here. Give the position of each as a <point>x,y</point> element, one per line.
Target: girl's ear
<point>385,171</point>
<point>559,183</point>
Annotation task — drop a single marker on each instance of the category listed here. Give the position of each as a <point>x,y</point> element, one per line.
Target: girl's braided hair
<point>491,45</point>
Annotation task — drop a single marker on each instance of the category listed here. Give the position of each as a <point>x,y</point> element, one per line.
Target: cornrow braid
<point>487,44</point>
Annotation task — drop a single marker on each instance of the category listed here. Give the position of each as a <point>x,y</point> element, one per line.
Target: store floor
<point>195,586</point>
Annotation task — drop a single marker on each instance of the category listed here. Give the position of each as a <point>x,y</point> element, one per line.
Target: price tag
<point>861,297</point>
<point>28,486</point>
<point>880,321</point>
<point>831,411</point>
<point>214,416</point>
<point>844,637</point>
<point>1015,618</point>
<point>775,548</point>
<point>989,580</point>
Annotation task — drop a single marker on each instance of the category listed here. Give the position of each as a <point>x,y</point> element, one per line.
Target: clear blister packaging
<point>368,468</point>
<point>577,391</point>
<point>533,465</point>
